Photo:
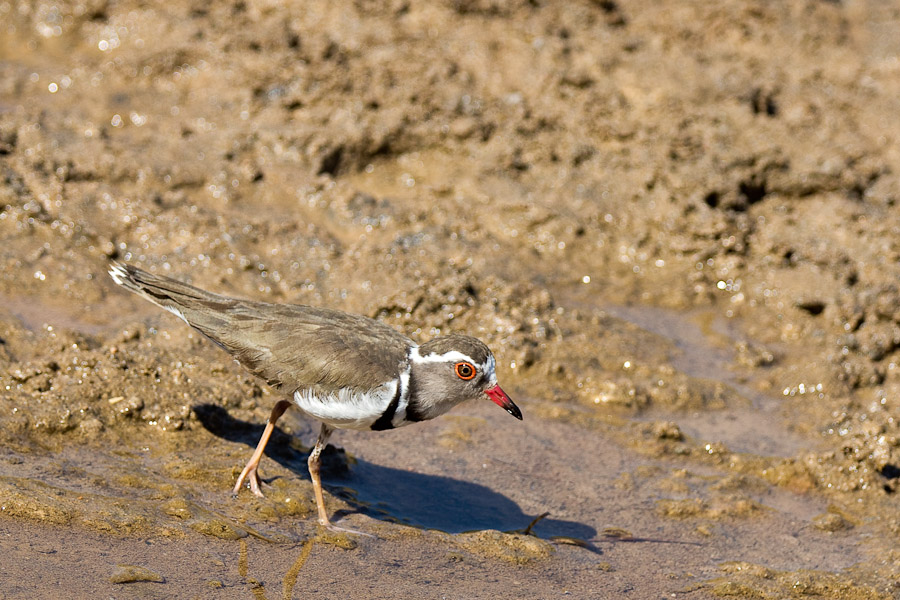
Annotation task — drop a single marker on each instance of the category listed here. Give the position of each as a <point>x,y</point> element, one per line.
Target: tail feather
<point>167,293</point>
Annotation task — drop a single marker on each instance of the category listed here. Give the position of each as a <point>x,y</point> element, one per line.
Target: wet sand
<point>674,226</point>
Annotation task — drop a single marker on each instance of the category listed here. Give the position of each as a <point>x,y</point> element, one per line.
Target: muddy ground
<point>676,225</point>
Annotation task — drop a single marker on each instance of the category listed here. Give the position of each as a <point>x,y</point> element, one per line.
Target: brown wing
<point>290,346</point>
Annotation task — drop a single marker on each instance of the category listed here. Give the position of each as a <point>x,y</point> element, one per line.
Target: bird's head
<point>453,368</point>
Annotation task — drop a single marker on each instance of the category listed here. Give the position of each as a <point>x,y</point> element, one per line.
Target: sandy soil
<point>677,226</point>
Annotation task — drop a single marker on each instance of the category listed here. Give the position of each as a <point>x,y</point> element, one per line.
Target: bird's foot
<point>253,477</point>
<point>255,482</point>
<point>329,526</point>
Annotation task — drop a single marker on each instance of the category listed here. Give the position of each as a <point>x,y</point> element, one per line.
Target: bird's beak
<point>502,400</point>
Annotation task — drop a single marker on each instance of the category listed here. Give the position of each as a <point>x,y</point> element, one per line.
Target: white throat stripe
<point>400,414</point>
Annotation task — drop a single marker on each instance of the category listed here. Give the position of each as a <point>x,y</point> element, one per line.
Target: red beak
<point>500,398</point>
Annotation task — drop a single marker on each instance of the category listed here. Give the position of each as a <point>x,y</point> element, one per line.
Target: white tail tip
<point>118,274</point>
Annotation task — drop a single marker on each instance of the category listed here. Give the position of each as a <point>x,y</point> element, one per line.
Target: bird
<point>344,370</point>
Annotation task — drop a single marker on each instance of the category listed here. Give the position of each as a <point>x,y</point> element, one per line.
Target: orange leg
<point>250,471</point>
<point>314,462</point>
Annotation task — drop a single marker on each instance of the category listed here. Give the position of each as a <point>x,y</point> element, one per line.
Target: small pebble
<point>134,574</point>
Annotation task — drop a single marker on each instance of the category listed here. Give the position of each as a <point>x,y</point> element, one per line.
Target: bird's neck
<point>426,398</point>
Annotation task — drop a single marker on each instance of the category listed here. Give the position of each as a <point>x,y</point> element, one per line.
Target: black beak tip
<point>514,411</point>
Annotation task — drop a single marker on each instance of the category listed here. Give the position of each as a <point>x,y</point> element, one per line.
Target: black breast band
<point>385,421</point>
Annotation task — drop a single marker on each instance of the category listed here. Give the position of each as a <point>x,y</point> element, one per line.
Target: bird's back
<point>290,346</point>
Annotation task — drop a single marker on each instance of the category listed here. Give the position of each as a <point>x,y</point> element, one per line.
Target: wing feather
<point>289,346</point>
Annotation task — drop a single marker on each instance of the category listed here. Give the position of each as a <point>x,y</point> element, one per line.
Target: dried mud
<point>676,225</point>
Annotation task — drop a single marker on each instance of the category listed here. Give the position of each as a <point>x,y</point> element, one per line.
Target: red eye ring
<point>464,370</point>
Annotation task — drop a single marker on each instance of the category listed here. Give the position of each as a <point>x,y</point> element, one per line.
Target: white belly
<point>347,410</point>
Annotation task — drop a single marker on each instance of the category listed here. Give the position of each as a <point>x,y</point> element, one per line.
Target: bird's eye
<point>464,370</point>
